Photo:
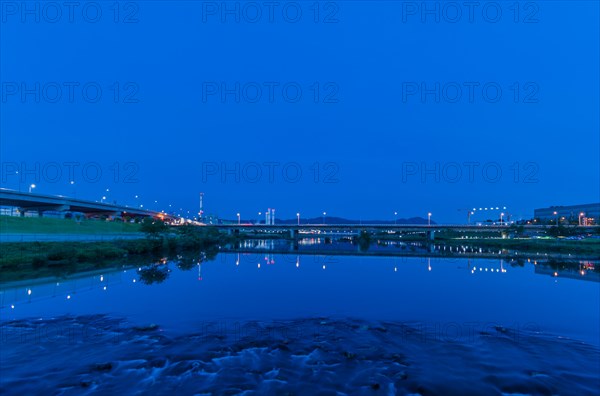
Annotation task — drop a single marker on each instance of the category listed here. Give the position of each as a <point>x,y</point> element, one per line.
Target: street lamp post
<point>18,179</point>
<point>298,216</point>
<point>556,214</point>
<point>395,218</point>
<point>429,219</point>
<point>239,219</point>
<point>31,186</point>
<point>580,217</point>
<point>501,216</point>
<point>324,214</point>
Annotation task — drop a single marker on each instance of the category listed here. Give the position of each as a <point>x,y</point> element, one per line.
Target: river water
<point>306,324</point>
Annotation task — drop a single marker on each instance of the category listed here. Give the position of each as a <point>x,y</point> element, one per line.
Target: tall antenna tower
<point>201,212</point>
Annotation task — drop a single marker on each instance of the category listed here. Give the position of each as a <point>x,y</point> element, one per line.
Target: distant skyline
<point>355,118</point>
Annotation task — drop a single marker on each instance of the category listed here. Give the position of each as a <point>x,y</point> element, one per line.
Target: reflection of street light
<point>298,216</point>
<point>429,218</point>
<point>31,186</point>
<point>238,216</point>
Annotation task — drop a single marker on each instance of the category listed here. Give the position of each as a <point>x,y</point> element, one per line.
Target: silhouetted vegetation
<point>153,274</point>
<point>562,231</point>
<point>364,241</point>
<point>36,259</point>
<point>153,228</point>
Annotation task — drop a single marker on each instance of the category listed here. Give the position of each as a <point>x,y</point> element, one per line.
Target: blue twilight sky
<point>356,108</point>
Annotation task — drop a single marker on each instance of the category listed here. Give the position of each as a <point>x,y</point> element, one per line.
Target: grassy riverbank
<point>40,259</point>
<point>45,225</point>
<point>557,245</point>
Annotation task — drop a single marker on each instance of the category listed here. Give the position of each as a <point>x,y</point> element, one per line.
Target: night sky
<point>355,108</point>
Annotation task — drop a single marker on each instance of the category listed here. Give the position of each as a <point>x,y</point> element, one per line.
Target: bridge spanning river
<point>322,230</point>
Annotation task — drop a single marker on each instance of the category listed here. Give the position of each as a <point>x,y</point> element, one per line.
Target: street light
<point>31,186</point>
<point>18,179</point>
<point>238,216</point>
<point>324,214</point>
<point>429,218</point>
<point>556,214</point>
<point>501,216</point>
<point>580,216</point>
<point>395,218</point>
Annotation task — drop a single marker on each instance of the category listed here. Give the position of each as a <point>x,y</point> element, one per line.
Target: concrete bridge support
<point>431,235</point>
<point>294,234</point>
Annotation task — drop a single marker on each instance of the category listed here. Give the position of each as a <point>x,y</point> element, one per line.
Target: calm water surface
<point>448,303</point>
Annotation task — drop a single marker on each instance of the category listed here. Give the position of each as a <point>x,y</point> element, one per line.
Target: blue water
<point>449,304</point>
<point>432,290</point>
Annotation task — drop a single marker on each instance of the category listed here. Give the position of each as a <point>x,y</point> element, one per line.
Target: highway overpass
<point>30,202</point>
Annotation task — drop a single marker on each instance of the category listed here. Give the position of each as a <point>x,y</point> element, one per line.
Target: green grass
<point>44,225</point>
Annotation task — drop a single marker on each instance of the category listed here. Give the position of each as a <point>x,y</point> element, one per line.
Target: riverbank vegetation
<point>39,259</point>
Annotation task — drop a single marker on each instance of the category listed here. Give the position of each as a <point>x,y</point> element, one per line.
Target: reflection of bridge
<point>323,230</point>
<point>40,203</point>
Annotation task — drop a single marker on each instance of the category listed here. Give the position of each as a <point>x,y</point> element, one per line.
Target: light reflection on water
<point>463,292</point>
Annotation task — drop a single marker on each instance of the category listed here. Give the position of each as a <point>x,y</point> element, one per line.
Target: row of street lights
<point>580,217</point>
<point>325,214</point>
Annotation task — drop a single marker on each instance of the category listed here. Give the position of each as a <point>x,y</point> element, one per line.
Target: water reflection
<point>153,274</point>
<point>13,294</point>
<point>246,281</point>
<point>449,296</point>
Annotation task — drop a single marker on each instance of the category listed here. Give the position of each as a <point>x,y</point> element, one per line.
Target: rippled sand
<point>317,356</point>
